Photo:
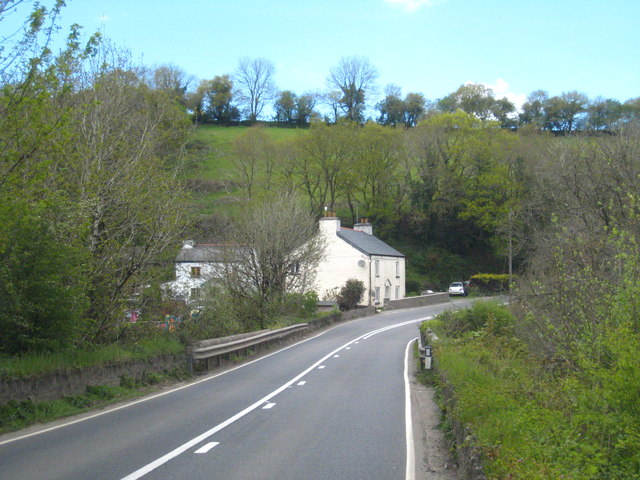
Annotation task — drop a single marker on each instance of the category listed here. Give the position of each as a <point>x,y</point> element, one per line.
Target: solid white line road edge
<point>410,470</point>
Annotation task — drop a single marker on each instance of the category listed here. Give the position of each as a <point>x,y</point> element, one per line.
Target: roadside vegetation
<point>106,166</point>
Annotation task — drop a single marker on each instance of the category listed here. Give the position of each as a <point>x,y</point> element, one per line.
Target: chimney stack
<point>364,226</point>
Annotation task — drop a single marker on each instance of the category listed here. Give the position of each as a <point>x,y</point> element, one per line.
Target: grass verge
<point>34,364</point>
<point>531,421</point>
<point>17,415</point>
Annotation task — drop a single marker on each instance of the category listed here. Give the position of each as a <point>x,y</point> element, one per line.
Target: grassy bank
<point>532,419</point>
<point>34,364</point>
<point>17,415</point>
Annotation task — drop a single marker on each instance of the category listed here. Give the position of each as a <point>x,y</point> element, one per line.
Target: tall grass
<point>533,419</point>
<point>34,364</point>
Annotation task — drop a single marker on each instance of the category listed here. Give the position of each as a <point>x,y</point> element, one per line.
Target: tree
<point>562,113</point>
<point>286,106</point>
<point>321,165</point>
<point>172,80</point>
<point>254,79</point>
<point>129,147</point>
<point>254,158</point>
<point>474,99</point>
<point>218,97</point>
<point>414,104</point>
<point>533,110</point>
<point>278,251</point>
<point>392,108</point>
<point>305,106</point>
<point>501,110</point>
<point>604,114</point>
<point>354,77</point>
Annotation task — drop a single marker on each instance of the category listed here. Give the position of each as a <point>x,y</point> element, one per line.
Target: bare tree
<point>355,78</point>
<point>278,251</point>
<point>254,79</point>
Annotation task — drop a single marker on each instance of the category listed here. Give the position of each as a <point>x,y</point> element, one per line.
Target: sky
<point>429,46</point>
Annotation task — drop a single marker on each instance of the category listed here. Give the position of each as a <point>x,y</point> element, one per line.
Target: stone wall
<point>421,301</point>
<point>57,385</point>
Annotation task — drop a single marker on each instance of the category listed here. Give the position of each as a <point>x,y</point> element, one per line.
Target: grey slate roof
<point>206,253</point>
<point>367,244</point>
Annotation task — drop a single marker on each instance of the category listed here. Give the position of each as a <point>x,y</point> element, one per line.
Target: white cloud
<point>413,5</point>
<point>104,18</point>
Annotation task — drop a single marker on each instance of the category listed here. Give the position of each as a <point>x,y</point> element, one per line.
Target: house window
<point>397,269</point>
<point>397,292</point>
<point>195,293</point>
<point>377,268</point>
<point>377,297</point>
<point>294,268</point>
<point>196,272</point>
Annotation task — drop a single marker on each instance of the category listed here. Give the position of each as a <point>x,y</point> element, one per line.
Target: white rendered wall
<point>184,282</point>
<point>341,264</point>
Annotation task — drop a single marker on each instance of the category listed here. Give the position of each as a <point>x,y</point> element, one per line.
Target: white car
<point>457,288</point>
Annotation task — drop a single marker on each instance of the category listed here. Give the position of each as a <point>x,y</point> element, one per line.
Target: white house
<point>195,264</point>
<point>357,254</point>
<point>349,254</point>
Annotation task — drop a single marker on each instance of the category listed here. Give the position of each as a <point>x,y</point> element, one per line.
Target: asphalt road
<point>330,407</point>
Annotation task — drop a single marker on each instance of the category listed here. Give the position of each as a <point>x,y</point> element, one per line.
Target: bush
<point>493,316</point>
<point>490,282</point>
<point>350,294</point>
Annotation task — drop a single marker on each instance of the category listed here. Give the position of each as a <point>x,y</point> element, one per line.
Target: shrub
<point>493,316</point>
<point>350,294</point>
<point>490,282</point>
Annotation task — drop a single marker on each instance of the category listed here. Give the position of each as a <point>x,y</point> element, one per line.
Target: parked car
<point>458,288</point>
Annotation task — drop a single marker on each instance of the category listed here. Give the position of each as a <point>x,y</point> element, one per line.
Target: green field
<point>213,162</point>
<point>209,175</point>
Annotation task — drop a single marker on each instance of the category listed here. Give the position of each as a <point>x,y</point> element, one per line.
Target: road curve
<point>331,406</point>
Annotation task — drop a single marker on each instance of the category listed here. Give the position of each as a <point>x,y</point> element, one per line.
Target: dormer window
<point>196,272</point>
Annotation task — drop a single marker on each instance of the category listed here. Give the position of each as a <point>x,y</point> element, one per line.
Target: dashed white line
<point>141,472</point>
<point>269,406</point>
<point>336,356</point>
<point>207,447</point>
<point>301,383</point>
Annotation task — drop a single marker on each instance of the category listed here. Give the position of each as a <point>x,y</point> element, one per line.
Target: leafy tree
<point>213,100</point>
<point>474,99</point>
<point>414,109</point>
<point>604,114</point>
<point>172,80</point>
<point>285,107</point>
<point>354,77</point>
<point>392,108</point>
<point>533,110</point>
<point>562,113</point>
<point>321,163</point>
<point>305,106</point>
<point>254,80</point>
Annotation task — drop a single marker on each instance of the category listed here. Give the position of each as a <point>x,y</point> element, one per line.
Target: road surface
<point>333,406</point>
